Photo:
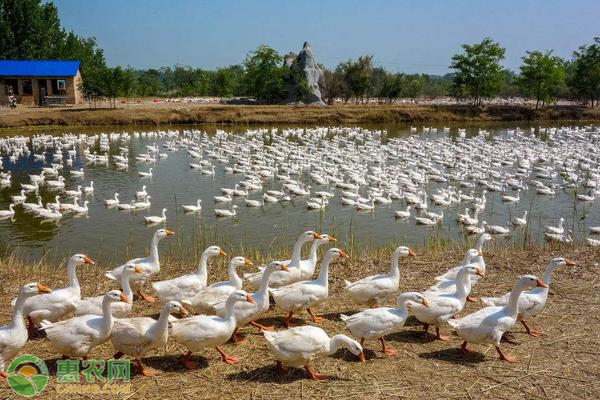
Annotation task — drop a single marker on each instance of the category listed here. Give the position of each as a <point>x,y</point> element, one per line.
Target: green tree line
<point>31,29</point>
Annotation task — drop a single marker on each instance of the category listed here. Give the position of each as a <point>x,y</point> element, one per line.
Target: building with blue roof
<point>40,82</point>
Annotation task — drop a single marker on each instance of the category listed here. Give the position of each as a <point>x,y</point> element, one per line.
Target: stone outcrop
<point>304,65</point>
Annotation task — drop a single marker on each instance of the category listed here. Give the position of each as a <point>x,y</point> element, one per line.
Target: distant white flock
<point>361,168</point>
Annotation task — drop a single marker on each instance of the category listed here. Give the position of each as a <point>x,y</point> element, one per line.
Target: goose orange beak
<point>249,299</point>
<point>539,283</point>
<point>169,233</point>
<point>247,262</point>
<point>222,253</point>
<point>342,254</point>
<point>411,253</point>
<point>479,253</point>
<point>332,239</point>
<point>138,268</point>
<point>182,311</point>
<point>425,303</point>
<point>317,235</point>
<point>569,263</point>
<point>284,267</point>
<point>43,289</point>
<point>87,260</point>
<point>479,273</point>
<point>123,298</point>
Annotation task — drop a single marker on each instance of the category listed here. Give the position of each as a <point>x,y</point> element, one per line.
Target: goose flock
<point>76,325</point>
<point>496,183</point>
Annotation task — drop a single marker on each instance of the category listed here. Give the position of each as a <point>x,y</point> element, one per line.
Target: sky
<point>402,35</point>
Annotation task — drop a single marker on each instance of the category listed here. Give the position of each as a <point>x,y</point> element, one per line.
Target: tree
<point>357,75</point>
<point>510,85</point>
<point>376,83</point>
<point>223,83</point>
<point>114,84</point>
<point>334,86</point>
<point>29,29</point>
<point>478,69</point>
<point>264,74</point>
<point>148,82</point>
<point>585,72</point>
<point>412,86</point>
<point>542,76</point>
<point>392,86</point>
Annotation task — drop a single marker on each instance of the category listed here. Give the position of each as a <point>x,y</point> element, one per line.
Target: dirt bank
<point>564,363</point>
<point>180,113</point>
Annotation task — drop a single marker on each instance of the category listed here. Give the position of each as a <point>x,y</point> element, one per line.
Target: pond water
<point>111,236</point>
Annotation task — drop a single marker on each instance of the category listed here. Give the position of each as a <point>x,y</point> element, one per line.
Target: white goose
<point>204,300</point>
<point>57,184</point>
<point>498,230</point>
<point>60,302</point>
<point>138,336</point>
<point>187,286</point>
<point>294,265</point>
<point>150,265</point>
<point>141,194</point>
<point>448,283</point>
<point>531,301</point>
<point>519,221</point>
<point>14,335</point>
<point>487,325</point>
<point>304,295</point>
<point>75,172</point>
<point>372,289</point>
<point>93,305</point>
<point>31,207</point>
<point>442,306</point>
<point>248,312</point>
<point>7,213</point>
<point>144,174</point>
<point>76,337</point>
<point>375,323</point>
<point>154,219</point>
<point>469,258</point>
<point>253,203</point>
<point>223,199</point>
<point>403,213</point>
<point>18,198</point>
<point>112,202</point>
<point>74,193</point>
<point>297,346</point>
<point>88,189</point>
<point>559,230</point>
<point>201,331</point>
<point>192,208</point>
<point>226,213</point>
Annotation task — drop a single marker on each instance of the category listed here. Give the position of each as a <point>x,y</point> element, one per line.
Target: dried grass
<point>187,113</point>
<point>564,364</point>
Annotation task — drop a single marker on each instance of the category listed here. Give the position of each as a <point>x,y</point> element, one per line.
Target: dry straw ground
<point>184,113</point>
<point>564,364</point>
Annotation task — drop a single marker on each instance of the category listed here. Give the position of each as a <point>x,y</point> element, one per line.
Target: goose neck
<point>295,261</point>
<point>234,278</point>
<point>336,342</point>
<point>126,285</point>
<point>203,268</point>
<point>107,317</point>
<point>323,277</point>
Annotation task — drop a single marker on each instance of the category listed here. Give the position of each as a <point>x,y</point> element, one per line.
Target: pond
<point>376,159</point>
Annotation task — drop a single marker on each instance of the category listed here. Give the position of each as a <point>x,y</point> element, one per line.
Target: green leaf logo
<point>27,375</point>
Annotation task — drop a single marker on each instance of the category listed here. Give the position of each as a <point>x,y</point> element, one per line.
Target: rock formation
<point>304,65</point>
